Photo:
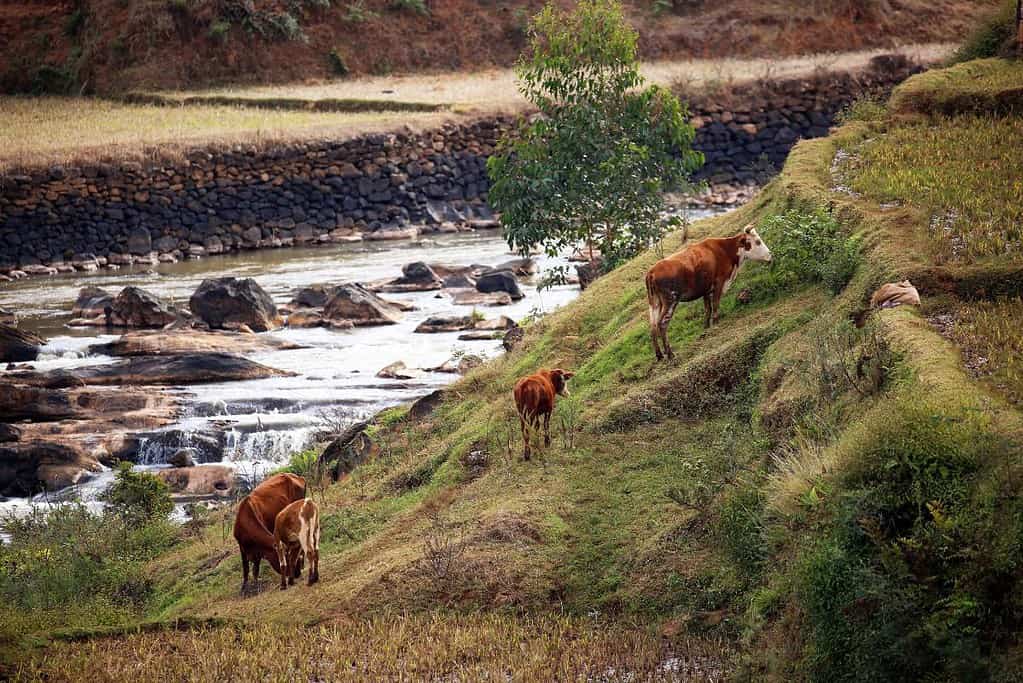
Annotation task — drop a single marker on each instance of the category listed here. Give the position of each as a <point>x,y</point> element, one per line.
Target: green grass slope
<point>795,498</point>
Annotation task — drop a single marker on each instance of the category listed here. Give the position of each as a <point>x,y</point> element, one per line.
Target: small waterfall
<point>271,445</point>
<point>156,448</point>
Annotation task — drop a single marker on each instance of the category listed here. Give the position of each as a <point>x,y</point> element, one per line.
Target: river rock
<point>17,346</point>
<point>459,365</point>
<point>29,467</point>
<point>91,302</point>
<point>399,370</point>
<point>176,342</point>
<point>417,272</point>
<point>502,322</point>
<point>588,272</point>
<point>355,303</point>
<point>9,432</point>
<point>392,234</point>
<point>349,450</point>
<point>439,323</point>
<point>471,297</point>
<point>480,335</point>
<point>304,318</point>
<point>184,369</point>
<point>200,481</point>
<point>183,457</point>
<point>425,405</point>
<point>135,307</point>
<point>228,302</point>
<point>8,317</point>
<point>313,296</point>
<point>499,281</point>
<point>140,241</point>
<point>459,281</point>
<point>521,267</point>
<point>512,338</point>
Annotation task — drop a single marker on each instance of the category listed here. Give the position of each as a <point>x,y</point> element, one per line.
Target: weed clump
<point>810,246</point>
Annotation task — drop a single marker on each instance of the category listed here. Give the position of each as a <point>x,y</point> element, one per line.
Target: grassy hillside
<point>808,493</point>
<point>110,46</point>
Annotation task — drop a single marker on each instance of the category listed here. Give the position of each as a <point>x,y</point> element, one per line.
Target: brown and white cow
<point>534,400</point>
<point>297,536</point>
<point>254,522</point>
<point>705,269</point>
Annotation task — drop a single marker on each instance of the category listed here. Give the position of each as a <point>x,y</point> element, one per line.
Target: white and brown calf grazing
<point>705,269</point>
<point>297,535</point>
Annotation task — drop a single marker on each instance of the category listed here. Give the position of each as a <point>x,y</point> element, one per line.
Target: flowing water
<point>257,425</point>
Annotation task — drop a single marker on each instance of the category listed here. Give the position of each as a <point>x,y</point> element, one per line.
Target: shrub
<point>138,497</point>
<point>994,37</point>
<point>863,109</point>
<point>338,64</point>
<point>305,464</point>
<point>414,6</point>
<point>359,13</point>
<point>219,30</point>
<point>810,247</point>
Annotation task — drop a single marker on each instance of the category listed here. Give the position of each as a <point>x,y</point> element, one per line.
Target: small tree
<point>593,166</point>
<point>138,497</point>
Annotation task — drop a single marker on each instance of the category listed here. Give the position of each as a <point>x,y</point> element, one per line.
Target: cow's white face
<point>752,247</point>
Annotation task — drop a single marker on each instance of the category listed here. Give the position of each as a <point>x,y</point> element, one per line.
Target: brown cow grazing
<point>704,269</point>
<point>534,399</point>
<point>297,535</point>
<point>254,523</point>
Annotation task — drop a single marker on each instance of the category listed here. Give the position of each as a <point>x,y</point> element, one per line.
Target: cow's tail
<point>653,299</point>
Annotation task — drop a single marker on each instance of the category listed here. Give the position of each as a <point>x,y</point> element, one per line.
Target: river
<point>261,423</point>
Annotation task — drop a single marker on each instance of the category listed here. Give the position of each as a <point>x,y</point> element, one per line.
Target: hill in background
<point>108,46</point>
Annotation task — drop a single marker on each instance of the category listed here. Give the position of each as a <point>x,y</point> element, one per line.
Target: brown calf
<point>297,535</point>
<point>705,269</point>
<point>534,399</point>
<point>254,523</point>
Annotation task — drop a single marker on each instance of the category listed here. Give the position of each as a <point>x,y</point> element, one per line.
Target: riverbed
<point>261,423</point>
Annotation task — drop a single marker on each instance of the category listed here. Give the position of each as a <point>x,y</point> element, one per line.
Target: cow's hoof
<point>284,586</point>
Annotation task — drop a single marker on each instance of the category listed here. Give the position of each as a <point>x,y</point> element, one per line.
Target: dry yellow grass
<point>51,130</point>
<point>495,89</point>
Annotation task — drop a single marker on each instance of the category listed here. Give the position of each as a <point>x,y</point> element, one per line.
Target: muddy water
<point>258,424</point>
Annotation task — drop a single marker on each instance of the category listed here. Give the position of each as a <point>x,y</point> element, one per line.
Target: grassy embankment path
<point>796,498</point>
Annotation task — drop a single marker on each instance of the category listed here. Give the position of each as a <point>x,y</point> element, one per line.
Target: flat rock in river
<point>183,341</point>
<point>185,369</point>
<point>17,345</point>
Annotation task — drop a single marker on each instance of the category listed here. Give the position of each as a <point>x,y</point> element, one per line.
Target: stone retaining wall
<point>373,187</point>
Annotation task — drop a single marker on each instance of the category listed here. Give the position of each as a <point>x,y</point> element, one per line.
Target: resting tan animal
<point>705,269</point>
<point>534,400</point>
<point>894,294</point>
<point>297,535</point>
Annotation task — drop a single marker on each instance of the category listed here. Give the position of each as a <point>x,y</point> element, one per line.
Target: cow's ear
<point>567,375</point>
<point>748,229</point>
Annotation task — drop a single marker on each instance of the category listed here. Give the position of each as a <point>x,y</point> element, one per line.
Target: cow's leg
<point>245,571</point>
<point>707,309</point>
<point>547,430</point>
<point>655,330</point>
<point>294,567</point>
<point>284,557</point>
<point>666,316</point>
<point>525,437</point>
<point>715,304</point>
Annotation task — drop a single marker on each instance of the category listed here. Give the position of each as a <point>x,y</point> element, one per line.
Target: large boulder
<point>499,281</point>
<point>183,457</point>
<point>588,272</point>
<point>18,345</point>
<point>353,302</point>
<point>176,342</point>
<point>135,307</point>
<point>470,297</point>
<point>29,467</point>
<point>415,277</point>
<point>352,448</point>
<point>313,296</point>
<point>438,323</point>
<point>230,302</point>
<point>201,481</point>
<point>185,369</point>
<point>91,302</point>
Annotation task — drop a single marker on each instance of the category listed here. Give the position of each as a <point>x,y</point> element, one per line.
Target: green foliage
<point>810,246</point>
<point>304,464</point>
<point>863,109</point>
<point>995,36</point>
<point>138,497</point>
<point>414,6</point>
<point>901,585</point>
<point>594,166</point>
<point>359,13</point>
<point>338,64</point>
<point>75,22</point>
<point>741,530</point>
<point>219,30</point>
